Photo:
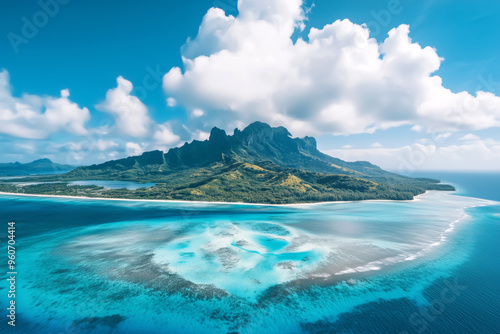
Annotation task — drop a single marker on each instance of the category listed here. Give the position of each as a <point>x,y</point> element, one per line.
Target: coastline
<point>416,198</point>
<point>432,269</point>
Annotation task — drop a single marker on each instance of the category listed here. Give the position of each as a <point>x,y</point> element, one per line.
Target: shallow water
<point>100,183</point>
<point>150,267</point>
<point>112,184</point>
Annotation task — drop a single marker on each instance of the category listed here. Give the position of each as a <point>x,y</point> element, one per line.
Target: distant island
<point>41,166</point>
<point>259,164</point>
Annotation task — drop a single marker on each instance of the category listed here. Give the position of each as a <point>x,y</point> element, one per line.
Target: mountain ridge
<point>43,165</point>
<point>259,164</point>
<point>257,142</point>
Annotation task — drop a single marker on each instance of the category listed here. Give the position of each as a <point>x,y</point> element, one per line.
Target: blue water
<point>481,185</point>
<point>100,183</point>
<point>113,184</point>
<point>424,266</point>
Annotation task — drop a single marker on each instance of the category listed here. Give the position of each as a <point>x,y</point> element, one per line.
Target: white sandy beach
<point>417,198</point>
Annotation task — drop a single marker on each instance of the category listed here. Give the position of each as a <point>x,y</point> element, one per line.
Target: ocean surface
<point>100,183</point>
<point>113,184</point>
<point>95,266</point>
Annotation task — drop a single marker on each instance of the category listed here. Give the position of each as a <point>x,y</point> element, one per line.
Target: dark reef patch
<point>91,323</point>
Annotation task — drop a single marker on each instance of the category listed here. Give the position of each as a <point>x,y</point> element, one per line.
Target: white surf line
<point>377,265</point>
<point>297,205</point>
<point>141,200</point>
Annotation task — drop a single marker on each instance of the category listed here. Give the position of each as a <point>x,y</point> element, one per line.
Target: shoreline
<point>208,202</point>
<point>416,198</point>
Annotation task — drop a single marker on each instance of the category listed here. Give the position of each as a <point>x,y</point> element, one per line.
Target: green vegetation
<point>257,165</point>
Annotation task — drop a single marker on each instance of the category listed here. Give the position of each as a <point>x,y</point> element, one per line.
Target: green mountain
<point>260,164</point>
<point>41,166</point>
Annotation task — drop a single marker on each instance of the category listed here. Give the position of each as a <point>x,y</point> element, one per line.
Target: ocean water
<point>101,183</point>
<point>481,185</point>
<point>113,184</point>
<point>424,266</point>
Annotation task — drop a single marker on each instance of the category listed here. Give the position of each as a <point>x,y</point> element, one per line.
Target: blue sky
<point>83,47</point>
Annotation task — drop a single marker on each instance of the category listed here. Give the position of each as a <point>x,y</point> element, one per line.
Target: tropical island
<point>40,166</point>
<point>259,164</point>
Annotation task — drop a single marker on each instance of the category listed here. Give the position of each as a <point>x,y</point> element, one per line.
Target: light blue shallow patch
<point>112,184</point>
<point>225,272</point>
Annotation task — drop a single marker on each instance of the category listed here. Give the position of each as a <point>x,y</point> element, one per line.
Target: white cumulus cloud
<point>473,153</point>
<point>164,136</point>
<point>37,117</point>
<point>134,149</point>
<point>337,81</point>
<point>131,115</point>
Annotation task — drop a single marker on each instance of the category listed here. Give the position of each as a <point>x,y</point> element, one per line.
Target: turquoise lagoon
<point>100,183</point>
<point>98,266</point>
<point>112,184</point>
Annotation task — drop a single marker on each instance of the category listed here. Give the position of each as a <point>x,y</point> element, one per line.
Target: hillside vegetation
<point>260,164</point>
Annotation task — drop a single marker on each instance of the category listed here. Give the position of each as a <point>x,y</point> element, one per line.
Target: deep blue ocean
<point>473,184</point>
<point>94,266</point>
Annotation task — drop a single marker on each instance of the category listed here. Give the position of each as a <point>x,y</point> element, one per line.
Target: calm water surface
<point>424,266</point>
